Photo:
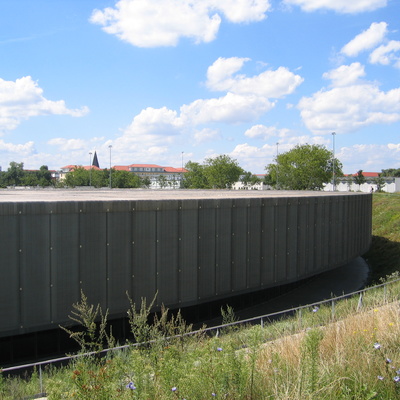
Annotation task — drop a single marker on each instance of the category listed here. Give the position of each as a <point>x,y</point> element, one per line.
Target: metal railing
<point>259,320</point>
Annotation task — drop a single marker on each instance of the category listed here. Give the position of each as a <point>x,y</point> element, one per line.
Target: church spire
<point>95,162</point>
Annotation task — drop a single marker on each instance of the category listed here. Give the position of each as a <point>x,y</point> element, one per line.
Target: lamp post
<point>90,171</point>
<point>277,153</point>
<point>333,161</point>
<point>110,147</point>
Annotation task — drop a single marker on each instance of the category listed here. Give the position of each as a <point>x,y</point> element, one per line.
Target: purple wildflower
<point>388,361</point>
<point>377,346</point>
<point>174,389</point>
<point>397,378</point>
<point>219,348</point>
<point>380,377</point>
<point>315,309</point>
<point>131,386</point>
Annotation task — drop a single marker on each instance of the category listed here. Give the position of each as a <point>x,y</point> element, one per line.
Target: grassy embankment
<point>384,254</point>
<point>351,353</point>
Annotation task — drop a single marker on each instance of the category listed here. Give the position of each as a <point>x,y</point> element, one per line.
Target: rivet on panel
<point>20,250</point>
<point>80,246</point>
<point>20,289</point>
<point>51,248</point>
<point>20,212</point>
<point>108,244</point>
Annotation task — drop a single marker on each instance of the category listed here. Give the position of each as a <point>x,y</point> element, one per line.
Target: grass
<point>384,253</point>
<point>351,353</point>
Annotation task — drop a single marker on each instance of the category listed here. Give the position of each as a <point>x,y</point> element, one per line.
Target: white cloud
<point>152,23</point>
<point>345,75</point>
<point>369,157</point>
<point>68,144</point>
<point>348,108</point>
<point>24,99</point>
<point>366,40</point>
<point>265,132</point>
<point>272,83</point>
<point>18,149</point>
<point>231,108</point>
<point>386,54</point>
<point>206,135</point>
<point>340,6</point>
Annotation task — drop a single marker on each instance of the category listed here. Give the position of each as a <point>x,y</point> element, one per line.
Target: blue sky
<point>163,81</point>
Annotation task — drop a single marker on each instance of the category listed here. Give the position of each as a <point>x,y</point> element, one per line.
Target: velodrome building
<point>189,246</point>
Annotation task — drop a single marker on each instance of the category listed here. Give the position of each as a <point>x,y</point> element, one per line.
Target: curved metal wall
<point>189,251</point>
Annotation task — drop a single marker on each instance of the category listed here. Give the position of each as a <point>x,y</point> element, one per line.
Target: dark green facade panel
<point>189,251</point>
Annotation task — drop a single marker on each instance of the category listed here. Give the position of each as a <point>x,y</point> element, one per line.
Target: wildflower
<point>219,348</point>
<point>380,377</point>
<point>388,361</point>
<point>398,372</point>
<point>315,309</point>
<point>213,394</point>
<point>174,389</point>
<point>131,386</point>
<point>377,346</point>
<point>397,378</point>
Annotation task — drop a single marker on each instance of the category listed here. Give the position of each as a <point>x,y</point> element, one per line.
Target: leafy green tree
<point>162,181</point>
<point>222,171</point>
<point>249,180</point>
<point>195,177</point>
<point>44,176</point>
<point>305,167</point>
<point>359,178</point>
<point>124,179</point>
<point>146,182</point>
<point>379,182</point>
<point>78,177</point>
<point>15,173</point>
<point>391,172</point>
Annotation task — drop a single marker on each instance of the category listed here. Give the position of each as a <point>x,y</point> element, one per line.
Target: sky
<point>170,81</point>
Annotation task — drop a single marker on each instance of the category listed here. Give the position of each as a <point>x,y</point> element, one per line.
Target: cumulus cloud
<point>206,135</point>
<point>345,75</point>
<point>152,23</point>
<point>346,108</point>
<point>265,132</point>
<point>231,108</point>
<point>24,99</point>
<point>340,6</point>
<point>387,54</point>
<point>18,149</point>
<point>366,40</point>
<point>272,83</point>
<point>68,144</point>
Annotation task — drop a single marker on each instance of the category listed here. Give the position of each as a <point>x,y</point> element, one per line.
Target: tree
<point>194,177</point>
<point>15,173</point>
<point>305,167</point>
<point>78,177</point>
<point>359,178</point>
<point>379,182</point>
<point>162,181</point>
<point>249,180</point>
<point>222,171</point>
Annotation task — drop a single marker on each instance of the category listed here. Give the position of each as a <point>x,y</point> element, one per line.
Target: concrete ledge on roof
<point>87,194</point>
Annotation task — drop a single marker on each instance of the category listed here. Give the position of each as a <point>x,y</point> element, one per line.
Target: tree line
<point>305,167</point>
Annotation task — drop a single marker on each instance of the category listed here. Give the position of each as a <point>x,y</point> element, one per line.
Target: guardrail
<point>260,320</point>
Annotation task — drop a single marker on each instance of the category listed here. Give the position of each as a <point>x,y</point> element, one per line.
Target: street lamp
<point>277,153</point>
<point>333,161</point>
<point>110,147</point>
<point>90,171</point>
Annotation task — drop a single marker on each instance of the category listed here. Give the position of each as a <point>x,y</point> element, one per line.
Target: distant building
<point>158,176</point>
<point>347,184</point>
